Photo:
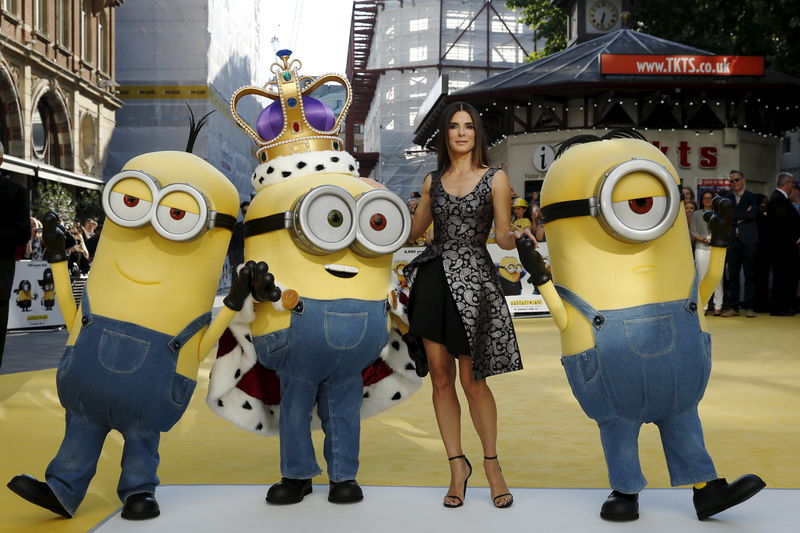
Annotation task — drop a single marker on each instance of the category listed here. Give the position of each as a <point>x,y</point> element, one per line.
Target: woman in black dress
<point>456,304</point>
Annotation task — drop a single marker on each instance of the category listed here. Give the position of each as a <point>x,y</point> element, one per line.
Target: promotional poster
<point>33,297</point>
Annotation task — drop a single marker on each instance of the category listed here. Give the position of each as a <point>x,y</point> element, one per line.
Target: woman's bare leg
<point>442,370</point>
<point>483,410</point>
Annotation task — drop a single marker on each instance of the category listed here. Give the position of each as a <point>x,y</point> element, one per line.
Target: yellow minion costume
<point>328,352</point>
<point>635,347</point>
<point>132,367</point>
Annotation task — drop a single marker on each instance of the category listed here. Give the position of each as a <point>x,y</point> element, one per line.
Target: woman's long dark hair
<point>480,156</point>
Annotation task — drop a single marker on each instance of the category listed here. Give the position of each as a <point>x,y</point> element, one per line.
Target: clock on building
<point>603,15</point>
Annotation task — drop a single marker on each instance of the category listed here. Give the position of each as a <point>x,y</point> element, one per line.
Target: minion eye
<point>128,208</point>
<point>181,214</point>
<point>128,198</point>
<point>383,223</point>
<point>324,219</point>
<point>641,213</point>
<point>176,221</point>
<point>640,206</point>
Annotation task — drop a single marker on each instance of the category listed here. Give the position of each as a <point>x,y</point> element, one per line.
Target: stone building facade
<point>57,89</point>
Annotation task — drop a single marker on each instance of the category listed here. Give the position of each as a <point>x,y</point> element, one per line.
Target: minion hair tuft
<point>617,133</point>
<point>195,127</point>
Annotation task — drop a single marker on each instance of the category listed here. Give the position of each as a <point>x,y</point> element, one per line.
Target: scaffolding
<point>399,49</point>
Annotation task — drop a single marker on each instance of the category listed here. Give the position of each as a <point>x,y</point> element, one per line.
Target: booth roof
<point>576,69</point>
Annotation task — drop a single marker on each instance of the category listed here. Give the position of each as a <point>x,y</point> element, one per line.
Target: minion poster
<point>33,300</point>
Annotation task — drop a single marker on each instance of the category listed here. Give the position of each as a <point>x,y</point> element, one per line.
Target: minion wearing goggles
<point>626,300</point>
<point>143,325</point>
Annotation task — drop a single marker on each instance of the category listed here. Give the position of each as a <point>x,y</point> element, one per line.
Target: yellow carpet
<point>750,416</point>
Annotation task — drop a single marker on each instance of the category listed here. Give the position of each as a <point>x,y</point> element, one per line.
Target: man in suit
<point>783,223</point>
<point>742,250</point>
<point>15,229</point>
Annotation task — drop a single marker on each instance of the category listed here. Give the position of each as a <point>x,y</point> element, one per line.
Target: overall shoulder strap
<point>595,317</point>
<point>189,331</point>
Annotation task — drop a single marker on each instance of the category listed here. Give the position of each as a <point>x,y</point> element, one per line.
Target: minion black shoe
<point>345,492</point>
<point>288,490</point>
<point>38,493</point>
<point>719,495</point>
<point>620,507</point>
<point>140,506</point>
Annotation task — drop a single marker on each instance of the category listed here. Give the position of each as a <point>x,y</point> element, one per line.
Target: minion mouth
<point>341,271</point>
<point>138,282</point>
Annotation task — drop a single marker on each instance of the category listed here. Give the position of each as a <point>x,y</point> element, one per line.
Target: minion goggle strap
<point>327,219</point>
<point>142,200</point>
<point>635,220</point>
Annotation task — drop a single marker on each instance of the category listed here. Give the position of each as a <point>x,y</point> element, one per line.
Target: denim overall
<point>650,363</point>
<point>319,359</point>
<point>119,376</point>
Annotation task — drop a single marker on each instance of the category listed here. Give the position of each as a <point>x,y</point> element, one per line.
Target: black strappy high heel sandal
<point>460,500</point>
<point>506,504</point>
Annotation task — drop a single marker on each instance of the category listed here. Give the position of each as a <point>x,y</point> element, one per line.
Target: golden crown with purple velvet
<point>295,122</point>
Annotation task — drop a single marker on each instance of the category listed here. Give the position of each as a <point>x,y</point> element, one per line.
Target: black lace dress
<point>459,285</point>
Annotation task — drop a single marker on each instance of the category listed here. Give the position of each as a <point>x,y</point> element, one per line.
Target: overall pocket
<point>651,336</point>
<point>344,331</point>
<point>272,348</point>
<point>120,353</point>
<point>583,374</point>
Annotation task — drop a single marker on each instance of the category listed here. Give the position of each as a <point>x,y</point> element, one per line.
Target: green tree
<point>52,196</point>
<point>549,22</point>
<point>769,28</point>
<point>89,205</point>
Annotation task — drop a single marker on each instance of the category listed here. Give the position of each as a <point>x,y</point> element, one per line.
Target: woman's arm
<point>501,201</point>
<point>423,215</point>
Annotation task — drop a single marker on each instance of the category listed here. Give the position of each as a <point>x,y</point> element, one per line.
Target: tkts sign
<point>681,65</point>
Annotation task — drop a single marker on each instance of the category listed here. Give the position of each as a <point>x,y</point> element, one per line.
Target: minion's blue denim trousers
<point>319,360</point>
<point>117,376</point>
<point>650,363</point>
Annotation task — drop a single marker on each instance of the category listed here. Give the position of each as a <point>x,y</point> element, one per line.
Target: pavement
<point>39,349</point>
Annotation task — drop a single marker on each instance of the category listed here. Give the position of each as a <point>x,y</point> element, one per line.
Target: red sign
<point>661,65</point>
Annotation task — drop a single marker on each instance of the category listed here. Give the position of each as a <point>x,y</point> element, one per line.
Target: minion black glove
<point>720,221</point>
<point>53,237</point>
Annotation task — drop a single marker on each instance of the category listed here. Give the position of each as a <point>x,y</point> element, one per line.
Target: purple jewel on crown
<point>270,121</point>
<point>295,121</point>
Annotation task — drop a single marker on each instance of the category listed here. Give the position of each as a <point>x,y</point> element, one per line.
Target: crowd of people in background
<point>764,241</point>
<point>80,241</point>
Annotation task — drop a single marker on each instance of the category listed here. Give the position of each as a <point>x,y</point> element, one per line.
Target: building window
<point>456,19</point>
<point>88,140</point>
<point>10,6</point>
<point>418,53</point>
<point>390,125</point>
<point>40,16</point>
<point>418,25</point>
<point>506,53</point>
<point>86,32</point>
<point>390,95</point>
<point>459,52</point>
<point>43,134</point>
<point>63,23</point>
<point>787,145</point>
<point>511,22</point>
<point>102,44</point>
<point>412,116</point>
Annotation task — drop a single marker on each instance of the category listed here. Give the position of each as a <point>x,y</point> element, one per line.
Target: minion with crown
<point>133,367</point>
<point>626,300</point>
<point>330,351</point>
